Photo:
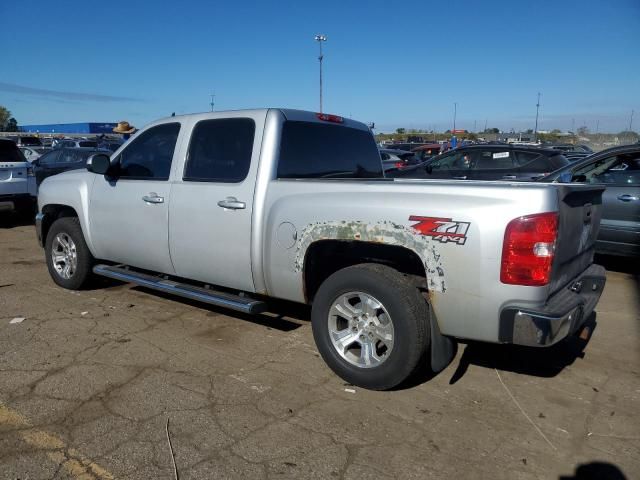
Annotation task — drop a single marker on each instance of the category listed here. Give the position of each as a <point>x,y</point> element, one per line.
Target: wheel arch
<point>53,212</point>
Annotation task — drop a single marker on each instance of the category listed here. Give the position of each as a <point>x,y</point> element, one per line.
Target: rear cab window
<point>317,150</point>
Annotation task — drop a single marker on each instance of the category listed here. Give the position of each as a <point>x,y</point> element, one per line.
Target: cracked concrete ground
<point>88,380</point>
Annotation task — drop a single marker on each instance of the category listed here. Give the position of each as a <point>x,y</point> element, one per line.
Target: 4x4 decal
<point>441,229</point>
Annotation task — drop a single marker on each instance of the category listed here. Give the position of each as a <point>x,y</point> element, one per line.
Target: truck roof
<point>289,114</point>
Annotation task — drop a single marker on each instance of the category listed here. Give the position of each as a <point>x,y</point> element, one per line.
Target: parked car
<point>232,208</point>
<point>396,159</point>
<point>488,162</point>
<point>31,153</point>
<point>406,146</point>
<point>617,169</point>
<point>62,159</point>
<point>569,147</point>
<point>425,152</point>
<point>111,146</point>
<point>76,143</point>
<point>26,140</point>
<point>17,183</point>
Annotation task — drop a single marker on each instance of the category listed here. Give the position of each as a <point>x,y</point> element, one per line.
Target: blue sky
<point>398,64</point>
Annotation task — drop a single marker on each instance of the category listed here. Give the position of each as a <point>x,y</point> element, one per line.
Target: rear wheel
<point>68,258</point>
<point>371,325</point>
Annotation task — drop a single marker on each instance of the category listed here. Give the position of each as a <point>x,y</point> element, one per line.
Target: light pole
<point>213,96</point>
<point>455,113</point>
<point>535,132</point>
<point>631,122</point>
<point>320,39</point>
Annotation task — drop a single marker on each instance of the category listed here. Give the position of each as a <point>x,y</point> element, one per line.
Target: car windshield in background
<point>30,141</point>
<point>316,150</point>
<point>88,144</point>
<point>9,152</point>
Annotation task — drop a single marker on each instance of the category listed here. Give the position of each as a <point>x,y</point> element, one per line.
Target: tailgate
<point>13,178</point>
<point>580,210</point>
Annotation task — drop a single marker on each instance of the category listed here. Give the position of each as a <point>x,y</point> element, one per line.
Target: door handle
<point>232,203</point>
<point>627,198</point>
<point>509,177</point>
<point>463,177</point>
<point>153,198</point>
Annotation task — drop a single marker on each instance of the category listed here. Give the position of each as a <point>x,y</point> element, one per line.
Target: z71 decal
<point>441,229</point>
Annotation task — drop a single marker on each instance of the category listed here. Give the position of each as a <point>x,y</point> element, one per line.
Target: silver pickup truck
<point>235,208</point>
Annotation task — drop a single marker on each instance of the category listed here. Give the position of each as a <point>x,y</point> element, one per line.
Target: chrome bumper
<point>564,313</point>
<point>39,220</point>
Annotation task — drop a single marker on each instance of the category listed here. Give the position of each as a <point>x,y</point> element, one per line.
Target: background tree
<point>582,131</point>
<point>12,125</point>
<point>5,115</point>
<point>400,131</point>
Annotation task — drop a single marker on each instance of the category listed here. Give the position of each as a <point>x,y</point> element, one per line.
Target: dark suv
<point>488,162</point>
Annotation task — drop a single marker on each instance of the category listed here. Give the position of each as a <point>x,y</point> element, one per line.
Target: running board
<point>219,299</point>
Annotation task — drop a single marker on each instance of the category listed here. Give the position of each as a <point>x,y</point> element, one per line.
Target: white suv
<point>17,180</point>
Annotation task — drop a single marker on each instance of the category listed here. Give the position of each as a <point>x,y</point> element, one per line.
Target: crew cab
<point>17,181</point>
<point>237,208</point>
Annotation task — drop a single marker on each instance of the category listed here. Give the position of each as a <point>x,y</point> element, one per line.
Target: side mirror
<point>429,169</point>
<point>36,162</point>
<point>99,163</point>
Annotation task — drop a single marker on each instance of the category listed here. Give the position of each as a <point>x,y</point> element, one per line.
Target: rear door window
<point>493,160</point>
<point>220,150</point>
<point>535,163</point>
<point>317,150</point>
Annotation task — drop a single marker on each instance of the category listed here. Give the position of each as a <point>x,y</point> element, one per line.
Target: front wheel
<point>371,325</point>
<point>68,258</point>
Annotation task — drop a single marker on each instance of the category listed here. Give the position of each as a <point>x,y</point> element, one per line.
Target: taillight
<point>329,118</point>
<point>528,249</point>
<point>30,172</point>
<point>399,164</point>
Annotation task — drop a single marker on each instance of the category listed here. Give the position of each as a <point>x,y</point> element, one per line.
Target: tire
<point>67,231</point>
<point>392,360</point>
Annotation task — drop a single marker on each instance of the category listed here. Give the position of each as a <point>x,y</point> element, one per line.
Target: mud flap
<point>443,349</point>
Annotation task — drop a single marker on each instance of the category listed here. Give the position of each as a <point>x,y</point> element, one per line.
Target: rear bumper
<point>563,314</point>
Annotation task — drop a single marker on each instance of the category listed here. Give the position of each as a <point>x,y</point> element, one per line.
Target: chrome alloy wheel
<point>360,329</point>
<point>64,255</point>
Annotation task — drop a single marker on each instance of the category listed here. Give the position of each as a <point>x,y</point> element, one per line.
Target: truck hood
<point>66,176</point>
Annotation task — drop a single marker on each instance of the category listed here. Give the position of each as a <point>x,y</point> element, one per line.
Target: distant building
<point>104,127</point>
